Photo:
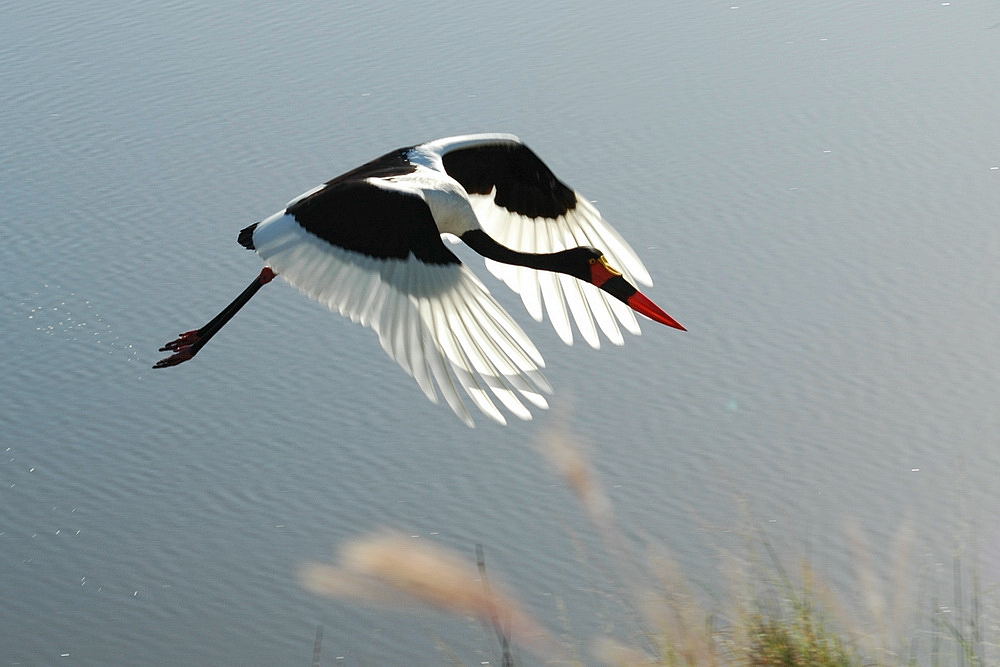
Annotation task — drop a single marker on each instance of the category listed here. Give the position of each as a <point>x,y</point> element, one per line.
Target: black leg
<point>188,343</point>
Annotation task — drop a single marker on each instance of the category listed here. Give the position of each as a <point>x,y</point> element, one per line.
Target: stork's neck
<point>488,247</point>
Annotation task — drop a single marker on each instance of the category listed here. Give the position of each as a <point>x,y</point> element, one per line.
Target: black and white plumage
<point>368,244</point>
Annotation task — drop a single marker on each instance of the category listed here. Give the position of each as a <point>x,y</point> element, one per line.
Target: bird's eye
<point>592,260</point>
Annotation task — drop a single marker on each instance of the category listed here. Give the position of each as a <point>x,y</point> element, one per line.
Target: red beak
<point>612,282</point>
<point>639,302</point>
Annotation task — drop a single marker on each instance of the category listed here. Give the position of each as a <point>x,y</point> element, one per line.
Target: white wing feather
<point>438,322</point>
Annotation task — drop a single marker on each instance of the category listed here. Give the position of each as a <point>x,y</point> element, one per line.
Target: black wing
<point>358,215</point>
<point>523,183</point>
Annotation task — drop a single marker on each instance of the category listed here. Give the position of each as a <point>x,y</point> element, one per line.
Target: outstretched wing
<point>370,250</point>
<point>521,203</point>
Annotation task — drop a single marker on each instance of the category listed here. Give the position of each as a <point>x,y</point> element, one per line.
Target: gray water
<point>815,188</point>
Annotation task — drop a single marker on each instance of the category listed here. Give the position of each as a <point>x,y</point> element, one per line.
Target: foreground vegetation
<point>775,618</point>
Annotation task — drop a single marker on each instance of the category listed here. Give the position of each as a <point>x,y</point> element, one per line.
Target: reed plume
<point>392,569</point>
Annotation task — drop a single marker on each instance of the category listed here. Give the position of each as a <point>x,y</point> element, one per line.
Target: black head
<point>577,262</point>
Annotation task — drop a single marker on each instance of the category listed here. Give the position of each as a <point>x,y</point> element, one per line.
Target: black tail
<point>246,236</point>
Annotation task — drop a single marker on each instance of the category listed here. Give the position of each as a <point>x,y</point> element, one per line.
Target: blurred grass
<point>771,617</point>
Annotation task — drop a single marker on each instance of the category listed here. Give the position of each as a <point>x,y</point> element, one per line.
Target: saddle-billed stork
<point>368,244</point>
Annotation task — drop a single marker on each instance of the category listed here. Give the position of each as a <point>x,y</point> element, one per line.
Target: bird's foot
<point>183,347</point>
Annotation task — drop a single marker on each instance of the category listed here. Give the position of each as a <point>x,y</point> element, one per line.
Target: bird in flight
<point>370,245</point>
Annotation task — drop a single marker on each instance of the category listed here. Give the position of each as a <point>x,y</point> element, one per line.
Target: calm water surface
<point>815,188</point>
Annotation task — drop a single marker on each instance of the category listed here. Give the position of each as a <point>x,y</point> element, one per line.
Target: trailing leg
<point>186,345</point>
